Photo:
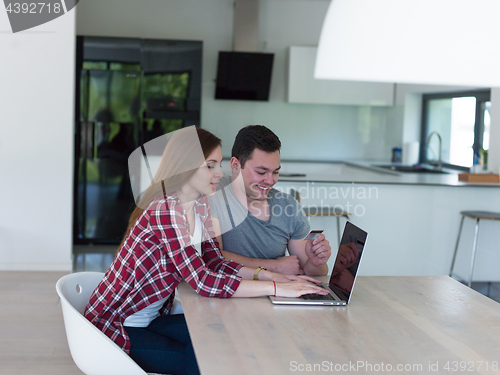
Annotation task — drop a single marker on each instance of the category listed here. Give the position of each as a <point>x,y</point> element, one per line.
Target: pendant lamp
<point>445,42</point>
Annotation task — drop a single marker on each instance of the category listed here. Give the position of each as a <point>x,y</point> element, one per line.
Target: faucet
<point>440,160</point>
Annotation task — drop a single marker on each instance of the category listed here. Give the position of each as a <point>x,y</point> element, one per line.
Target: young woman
<point>170,239</point>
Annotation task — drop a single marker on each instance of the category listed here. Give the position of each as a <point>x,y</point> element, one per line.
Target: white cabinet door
<point>304,88</point>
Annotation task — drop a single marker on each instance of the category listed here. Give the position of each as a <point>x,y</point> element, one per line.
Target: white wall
<point>307,131</point>
<point>36,144</point>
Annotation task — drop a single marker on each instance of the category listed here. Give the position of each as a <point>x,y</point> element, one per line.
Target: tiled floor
<point>32,336</point>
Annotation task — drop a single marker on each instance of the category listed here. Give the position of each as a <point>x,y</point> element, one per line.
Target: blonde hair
<point>182,157</point>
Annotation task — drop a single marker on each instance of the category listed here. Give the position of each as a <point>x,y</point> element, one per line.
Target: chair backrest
<point>93,352</point>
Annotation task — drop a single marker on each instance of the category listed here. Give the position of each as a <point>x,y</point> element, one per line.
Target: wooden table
<point>424,325</point>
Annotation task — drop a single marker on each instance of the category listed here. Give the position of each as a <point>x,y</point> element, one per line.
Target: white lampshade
<point>448,42</point>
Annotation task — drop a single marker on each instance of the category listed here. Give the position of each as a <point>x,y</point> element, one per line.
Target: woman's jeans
<point>164,346</point>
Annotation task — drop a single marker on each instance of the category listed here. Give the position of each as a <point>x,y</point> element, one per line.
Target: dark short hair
<point>251,137</point>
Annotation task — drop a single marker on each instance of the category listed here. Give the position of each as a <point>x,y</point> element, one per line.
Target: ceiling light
<point>448,42</point>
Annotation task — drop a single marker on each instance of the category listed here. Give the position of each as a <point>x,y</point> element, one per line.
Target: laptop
<point>343,275</point>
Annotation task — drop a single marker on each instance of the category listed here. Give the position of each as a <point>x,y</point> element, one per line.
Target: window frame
<point>480,95</point>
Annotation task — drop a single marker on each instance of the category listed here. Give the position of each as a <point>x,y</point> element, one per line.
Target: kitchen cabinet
<point>412,228</point>
<point>304,88</point>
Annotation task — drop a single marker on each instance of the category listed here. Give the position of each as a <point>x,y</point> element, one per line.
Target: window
<point>462,122</point>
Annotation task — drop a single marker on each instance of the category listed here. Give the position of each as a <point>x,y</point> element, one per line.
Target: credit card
<point>312,235</point>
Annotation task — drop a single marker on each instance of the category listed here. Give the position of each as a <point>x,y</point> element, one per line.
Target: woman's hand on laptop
<point>282,278</point>
<point>302,278</point>
<point>297,289</point>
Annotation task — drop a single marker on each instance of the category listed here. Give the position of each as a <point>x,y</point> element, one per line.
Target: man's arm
<point>288,265</point>
<point>312,255</point>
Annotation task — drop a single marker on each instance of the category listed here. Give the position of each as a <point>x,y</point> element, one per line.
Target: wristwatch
<point>256,274</point>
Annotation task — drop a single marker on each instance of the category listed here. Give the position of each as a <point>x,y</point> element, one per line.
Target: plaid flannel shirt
<point>156,256</point>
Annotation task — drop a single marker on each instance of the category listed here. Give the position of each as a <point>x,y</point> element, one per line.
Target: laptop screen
<point>347,262</point>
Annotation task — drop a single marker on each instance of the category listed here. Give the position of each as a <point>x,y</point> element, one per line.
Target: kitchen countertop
<point>363,172</point>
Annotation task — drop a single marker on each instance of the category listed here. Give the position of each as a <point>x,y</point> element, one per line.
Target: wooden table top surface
<point>421,324</point>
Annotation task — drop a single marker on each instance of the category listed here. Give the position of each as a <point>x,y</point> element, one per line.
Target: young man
<point>256,223</point>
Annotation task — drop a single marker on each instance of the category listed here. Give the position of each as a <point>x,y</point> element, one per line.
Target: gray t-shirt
<point>244,234</point>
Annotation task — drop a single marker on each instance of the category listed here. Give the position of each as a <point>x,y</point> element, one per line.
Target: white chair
<point>93,352</point>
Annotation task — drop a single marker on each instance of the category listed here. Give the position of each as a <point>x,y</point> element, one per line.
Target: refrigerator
<point>129,91</point>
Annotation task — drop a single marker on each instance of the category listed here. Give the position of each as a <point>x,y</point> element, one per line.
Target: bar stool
<point>337,212</point>
<point>476,215</point>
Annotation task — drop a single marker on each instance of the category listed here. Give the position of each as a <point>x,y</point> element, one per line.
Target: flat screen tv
<point>244,75</point>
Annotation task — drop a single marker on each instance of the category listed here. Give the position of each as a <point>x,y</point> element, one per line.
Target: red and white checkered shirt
<point>156,256</point>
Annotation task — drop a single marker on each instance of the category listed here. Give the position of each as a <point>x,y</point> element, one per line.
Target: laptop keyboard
<point>314,297</point>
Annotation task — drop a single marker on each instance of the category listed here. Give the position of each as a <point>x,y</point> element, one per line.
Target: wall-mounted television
<point>244,75</point>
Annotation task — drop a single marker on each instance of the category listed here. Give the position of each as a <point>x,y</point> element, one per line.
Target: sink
<point>411,169</point>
